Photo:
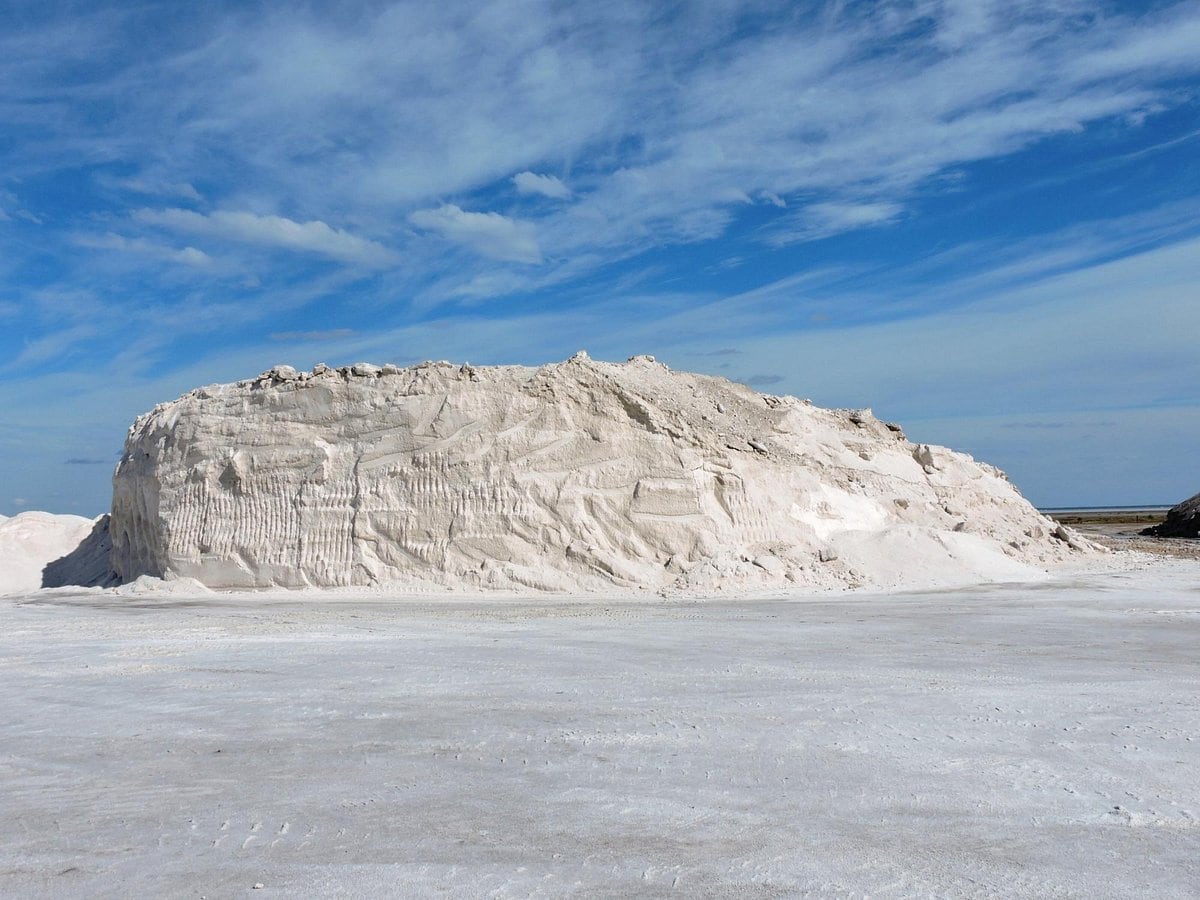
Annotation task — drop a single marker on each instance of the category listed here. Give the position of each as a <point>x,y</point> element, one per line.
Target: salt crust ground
<point>1016,740</point>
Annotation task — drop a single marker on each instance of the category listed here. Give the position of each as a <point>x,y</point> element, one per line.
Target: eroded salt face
<point>575,476</point>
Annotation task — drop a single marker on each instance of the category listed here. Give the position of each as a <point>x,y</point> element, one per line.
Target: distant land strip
<point>1108,515</point>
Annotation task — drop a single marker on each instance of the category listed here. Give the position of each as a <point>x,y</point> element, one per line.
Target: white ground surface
<point>1038,740</point>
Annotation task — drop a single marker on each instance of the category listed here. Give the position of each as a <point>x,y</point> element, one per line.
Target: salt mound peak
<point>575,476</point>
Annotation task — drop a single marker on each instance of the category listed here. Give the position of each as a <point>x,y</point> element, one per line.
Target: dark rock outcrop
<point>1183,521</point>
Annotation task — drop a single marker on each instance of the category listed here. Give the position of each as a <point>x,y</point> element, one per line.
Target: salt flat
<point>1018,740</point>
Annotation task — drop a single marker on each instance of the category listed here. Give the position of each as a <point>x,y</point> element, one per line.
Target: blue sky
<point>981,219</point>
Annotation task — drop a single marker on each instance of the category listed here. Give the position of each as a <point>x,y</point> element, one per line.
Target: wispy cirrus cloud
<point>1164,45</point>
<point>52,345</point>
<point>667,139</point>
<point>188,256</point>
<point>151,186</point>
<point>488,234</point>
<point>328,334</point>
<point>819,220</point>
<point>273,231</point>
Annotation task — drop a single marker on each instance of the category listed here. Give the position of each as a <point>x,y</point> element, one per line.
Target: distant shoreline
<point>1106,515</point>
<point>1120,527</point>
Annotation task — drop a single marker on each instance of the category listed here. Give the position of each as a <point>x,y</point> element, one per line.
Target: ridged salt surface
<point>575,476</point>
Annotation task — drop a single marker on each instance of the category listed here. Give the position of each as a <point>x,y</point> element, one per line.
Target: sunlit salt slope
<point>576,476</point>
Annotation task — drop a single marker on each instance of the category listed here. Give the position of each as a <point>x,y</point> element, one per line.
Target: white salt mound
<point>32,540</point>
<point>576,476</point>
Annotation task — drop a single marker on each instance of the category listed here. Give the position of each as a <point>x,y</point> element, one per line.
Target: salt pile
<point>40,549</point>
<point>576,476</point>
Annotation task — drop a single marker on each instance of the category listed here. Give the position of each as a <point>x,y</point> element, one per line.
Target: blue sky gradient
<point>980,219</point>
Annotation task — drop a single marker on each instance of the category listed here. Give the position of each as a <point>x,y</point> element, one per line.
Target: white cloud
<point>329,334</point>
<point>488,234</point>
<point>9,200</point>
<point>850,215</point>
<point>820,220</point>
<point>274,231</point>
<point>152,186</point>
<point>1163,45</point>
<point>546,185</point>
<point>668,125</point>
<point>188,256</point>
<point>52,344</point>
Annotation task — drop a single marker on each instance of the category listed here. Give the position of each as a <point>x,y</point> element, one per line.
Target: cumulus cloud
<point>274,231</point>
<point>488,234</point>
<point>546,185</point>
